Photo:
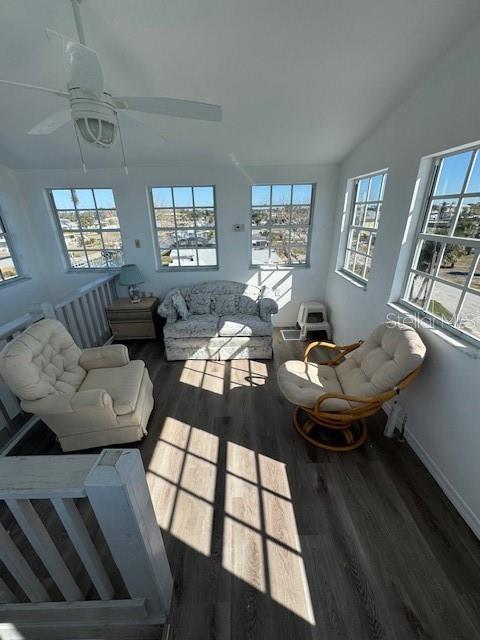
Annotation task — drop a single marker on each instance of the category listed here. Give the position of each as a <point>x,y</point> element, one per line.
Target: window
<point>444,275</point>
<point>281,218</point>
<point>364,219</point>
<point>88,223</point>
<point>8,268</point>
<point>185,223</point>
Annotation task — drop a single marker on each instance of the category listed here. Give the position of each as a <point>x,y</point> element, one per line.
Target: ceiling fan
<point>94,112</point>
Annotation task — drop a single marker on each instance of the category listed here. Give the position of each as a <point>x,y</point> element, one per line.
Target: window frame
<point>283,265</point>
<point>5,233</point>
<point>420,235</point>
<point>155,229</point>
<point>371,231</point>
<point>100,230</point>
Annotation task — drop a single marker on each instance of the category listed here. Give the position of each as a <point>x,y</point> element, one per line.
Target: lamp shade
<point>130,274</point>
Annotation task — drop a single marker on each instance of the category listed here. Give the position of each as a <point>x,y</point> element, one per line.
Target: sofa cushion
<point>224,304</point>
<point>121,383</point>
<point>392,352</point>
<point>248,304</point>
<point>304,382</point>
<point>243,325</point>
<point>42,360</point>
<point>179,304</point>
<point>199,303</point>
<point>202,326</point>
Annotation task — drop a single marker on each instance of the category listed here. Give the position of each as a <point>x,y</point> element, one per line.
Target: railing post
<point>118,493</point>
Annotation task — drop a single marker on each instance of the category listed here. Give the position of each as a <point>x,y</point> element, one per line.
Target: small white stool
<point>312,316</point>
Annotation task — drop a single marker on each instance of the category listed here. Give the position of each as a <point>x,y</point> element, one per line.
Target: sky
<point>452,174</point>
<point>166,197</point>
<point>281,194</point>
<point>63,198</point>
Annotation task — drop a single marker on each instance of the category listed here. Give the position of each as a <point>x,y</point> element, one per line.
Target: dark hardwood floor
<point>270,539</point>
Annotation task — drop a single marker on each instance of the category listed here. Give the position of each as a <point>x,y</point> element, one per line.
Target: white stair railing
<point>112,489</point>
<point>84,313</point>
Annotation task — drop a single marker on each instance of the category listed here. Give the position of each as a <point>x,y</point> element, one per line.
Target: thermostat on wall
<point>239,227</point>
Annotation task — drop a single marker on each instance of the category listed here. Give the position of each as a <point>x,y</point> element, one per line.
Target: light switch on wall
<point>137,243</point>
<point>239,227</point>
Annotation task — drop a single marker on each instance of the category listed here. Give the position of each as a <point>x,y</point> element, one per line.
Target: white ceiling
<point>300,81</point>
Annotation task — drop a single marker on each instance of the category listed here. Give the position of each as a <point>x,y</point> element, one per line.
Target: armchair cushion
<point>43,360</point>
<point>56,404</point>
<point>302,383</point>
<point>121,383</point>
<point>392,352</point>
<point>113,355</point>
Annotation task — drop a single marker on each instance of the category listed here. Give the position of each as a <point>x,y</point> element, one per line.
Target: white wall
<point>19,297</point>
<point>443,405</point>
<point>233,205</point>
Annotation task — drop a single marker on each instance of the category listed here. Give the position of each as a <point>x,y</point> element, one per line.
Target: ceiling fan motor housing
<point>95,118</point>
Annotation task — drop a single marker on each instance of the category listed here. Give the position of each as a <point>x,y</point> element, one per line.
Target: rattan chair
<point>335,397</point>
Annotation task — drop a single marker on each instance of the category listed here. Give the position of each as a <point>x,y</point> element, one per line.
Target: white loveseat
<point>234,323</point>
<point>90,398</point>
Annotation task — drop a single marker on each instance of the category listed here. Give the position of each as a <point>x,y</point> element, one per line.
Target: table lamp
<point>131,277</point>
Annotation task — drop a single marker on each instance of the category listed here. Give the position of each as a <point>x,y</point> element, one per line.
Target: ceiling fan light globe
<point>96,131</point>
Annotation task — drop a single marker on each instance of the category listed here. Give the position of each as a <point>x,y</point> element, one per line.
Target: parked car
<point>191,241</point>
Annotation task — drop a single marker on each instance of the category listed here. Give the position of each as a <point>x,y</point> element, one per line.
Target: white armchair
<point>90,398</point>
<point>335,397</point>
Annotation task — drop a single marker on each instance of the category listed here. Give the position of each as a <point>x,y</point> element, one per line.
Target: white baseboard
<point>452,494</point>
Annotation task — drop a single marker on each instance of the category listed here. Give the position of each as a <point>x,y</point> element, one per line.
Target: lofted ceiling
<point>300,81</point>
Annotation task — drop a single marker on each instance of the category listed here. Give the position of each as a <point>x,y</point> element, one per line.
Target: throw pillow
<point>199,303</point>
<point>224,304</point>
<point>248,306</point>
<point>179,304</point>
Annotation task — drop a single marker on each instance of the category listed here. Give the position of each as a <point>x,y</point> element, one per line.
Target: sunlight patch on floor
<point>258,503</point>
<point>204,374</point>
<point>241,501</point>
<point>243,553</point>
<point>9,631</point>
<point>181,477</point>
<point>247,373</point>
<point>260,545</point>
<point>192,522</point>
<point>213,376</point>
<point>288,581</point>
<point>241,461</point>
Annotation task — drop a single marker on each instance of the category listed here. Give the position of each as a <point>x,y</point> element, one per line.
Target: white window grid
<point>8,272</point>
<point>457,324</point>
<point>177,229</point>
<point>113,257</point>
<point>290,227</point>
<point>358,261</point>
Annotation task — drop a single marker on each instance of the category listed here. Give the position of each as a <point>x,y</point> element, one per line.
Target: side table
<point>132,321</point>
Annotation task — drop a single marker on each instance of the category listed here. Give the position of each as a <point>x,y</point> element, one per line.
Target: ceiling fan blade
<point>56,92</point>
<point>52,123</point>
<point>133,116</point>
<point>173,107</point>
<point>81,62</point>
